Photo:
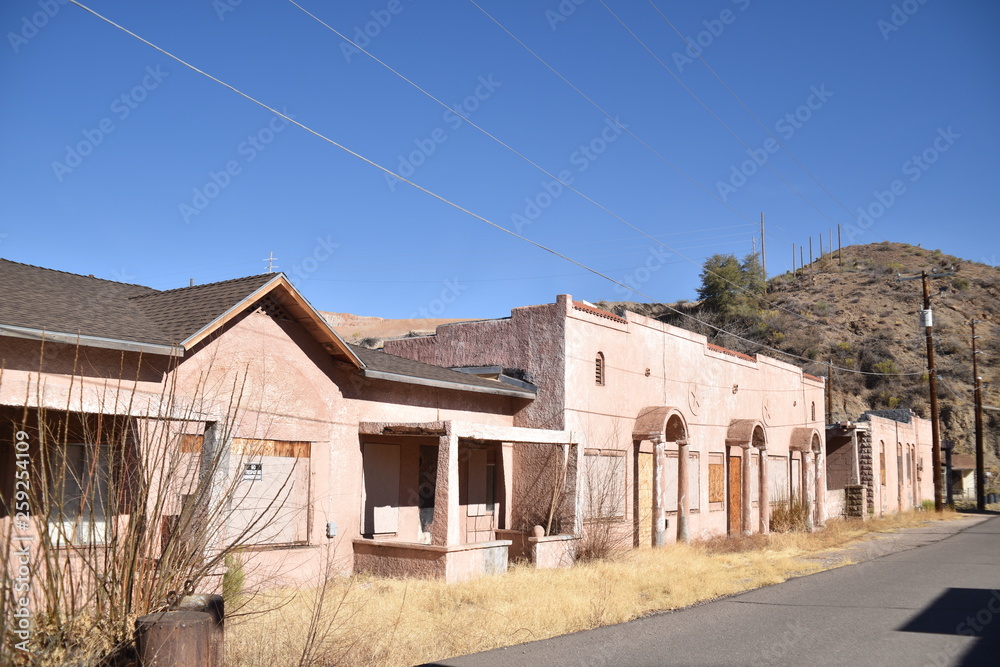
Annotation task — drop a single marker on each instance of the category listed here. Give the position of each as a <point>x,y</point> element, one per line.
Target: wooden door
<point>735,495</point>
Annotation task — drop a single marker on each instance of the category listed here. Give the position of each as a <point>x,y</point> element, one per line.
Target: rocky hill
<point>371,331</point>
<point>860,316</point>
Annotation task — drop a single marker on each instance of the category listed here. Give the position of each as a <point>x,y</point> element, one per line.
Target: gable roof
<point>40,303</point>
<point>384,366</point>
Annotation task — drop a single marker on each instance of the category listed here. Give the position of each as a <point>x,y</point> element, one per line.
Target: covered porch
<point>448,499</point>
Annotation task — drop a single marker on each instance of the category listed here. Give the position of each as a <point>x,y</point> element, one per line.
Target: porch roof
<point>471,431</point>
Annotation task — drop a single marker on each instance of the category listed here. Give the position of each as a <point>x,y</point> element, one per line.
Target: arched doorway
<point>656,429</point>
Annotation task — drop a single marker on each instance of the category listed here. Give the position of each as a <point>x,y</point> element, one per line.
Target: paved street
<point>929,596</point>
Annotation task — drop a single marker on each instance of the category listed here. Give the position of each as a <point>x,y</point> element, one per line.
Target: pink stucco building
<point>231,414</point>
<point>681,438</point>
<point>885,458</point>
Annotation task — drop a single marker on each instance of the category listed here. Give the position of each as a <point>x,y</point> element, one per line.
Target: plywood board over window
<point>670,475</point>
<point>271,496</point>
<point>716,481</point>
<point>603,486</point>
<point>482,483</point>
<point>694,482</point>
<point>777,476</point>
<point>754,479</point>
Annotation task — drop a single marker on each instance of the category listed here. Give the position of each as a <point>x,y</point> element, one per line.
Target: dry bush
<point>789,515</point>
<point>123,510</point>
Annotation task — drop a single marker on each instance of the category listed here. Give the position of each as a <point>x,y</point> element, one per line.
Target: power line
<point>713,114</point>
<point>757,120</point>
<point>609,116</point>
<point>452,204</point>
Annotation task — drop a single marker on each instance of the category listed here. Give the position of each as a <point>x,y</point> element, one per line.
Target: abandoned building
<point>230,414</point>
<point>682,439</point>
<point>882,462</point>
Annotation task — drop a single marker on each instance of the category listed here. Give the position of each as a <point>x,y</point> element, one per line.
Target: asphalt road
<point>929,596</point>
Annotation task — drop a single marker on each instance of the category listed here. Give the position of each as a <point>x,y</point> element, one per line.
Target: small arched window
<point>813,408</point>
<point>599,369</point>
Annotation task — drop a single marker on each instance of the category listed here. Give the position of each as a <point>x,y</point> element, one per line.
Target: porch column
<point>507,465</point>
<point>446,529</point>
<point>820,488</point>
<point>683,499</point>
<point>807,487</point>
<point>659,485</point>
<point>747,509</point>
<point>765,495</point>
<point>216,501</point>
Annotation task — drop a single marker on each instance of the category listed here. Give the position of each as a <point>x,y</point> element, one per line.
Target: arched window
<point>813,408</point>
<point>599,369</point>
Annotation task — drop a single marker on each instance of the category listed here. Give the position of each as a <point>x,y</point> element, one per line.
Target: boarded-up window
<point>716,479</point>
<point>796,477</point>
<point>777,478</point>
<point>603,487</point>
<point>482,483</point>
<point>755,479</point>
<point>881,463</point>
<point>909,467</point>
<point>380,512</point>
<point>270,491</point>
<point>694,481</point>
<point>670,475</point>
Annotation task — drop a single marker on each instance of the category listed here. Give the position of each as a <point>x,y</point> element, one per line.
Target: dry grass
<point>374,621</point>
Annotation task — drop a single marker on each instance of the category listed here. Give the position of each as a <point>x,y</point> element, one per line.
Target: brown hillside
<point>371,331</point>
<point>862,317</point>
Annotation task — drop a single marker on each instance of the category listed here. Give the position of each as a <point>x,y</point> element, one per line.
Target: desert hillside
<point>371,331</point>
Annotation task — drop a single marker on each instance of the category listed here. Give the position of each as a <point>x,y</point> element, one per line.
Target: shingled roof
<point>55,305</point>
<point>59,306</point>
<point>382,365</point>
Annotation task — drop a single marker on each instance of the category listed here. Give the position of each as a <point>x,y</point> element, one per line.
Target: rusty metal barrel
<point>174,639</point>
<point>214,606</point>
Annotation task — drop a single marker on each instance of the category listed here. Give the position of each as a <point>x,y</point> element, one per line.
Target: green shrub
<point>886,367</point>
<point>960,283</point>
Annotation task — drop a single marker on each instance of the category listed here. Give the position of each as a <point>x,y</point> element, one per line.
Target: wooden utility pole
<point>840,248</point>
<point>763,253</point>
<point>821,245</point>
<point>980,453</point>
<point>793,259</point>
<point>927,319</point>
<point>802,259</point>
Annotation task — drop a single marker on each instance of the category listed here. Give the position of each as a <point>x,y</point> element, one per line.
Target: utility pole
<point>821,245</point>
<point>980,454</point>
<point>802,258</point>
<point>793,260</point>
<point>927,321</point>
<point>840,248</point>
<point>810,250</point>
<point>763,253</point>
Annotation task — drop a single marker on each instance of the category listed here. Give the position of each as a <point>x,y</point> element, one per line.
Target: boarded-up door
<point>644,509</point>
<point>735,495</point>
<point>380,512</point>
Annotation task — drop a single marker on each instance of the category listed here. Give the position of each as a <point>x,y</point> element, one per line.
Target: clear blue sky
<point>109,147</point>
